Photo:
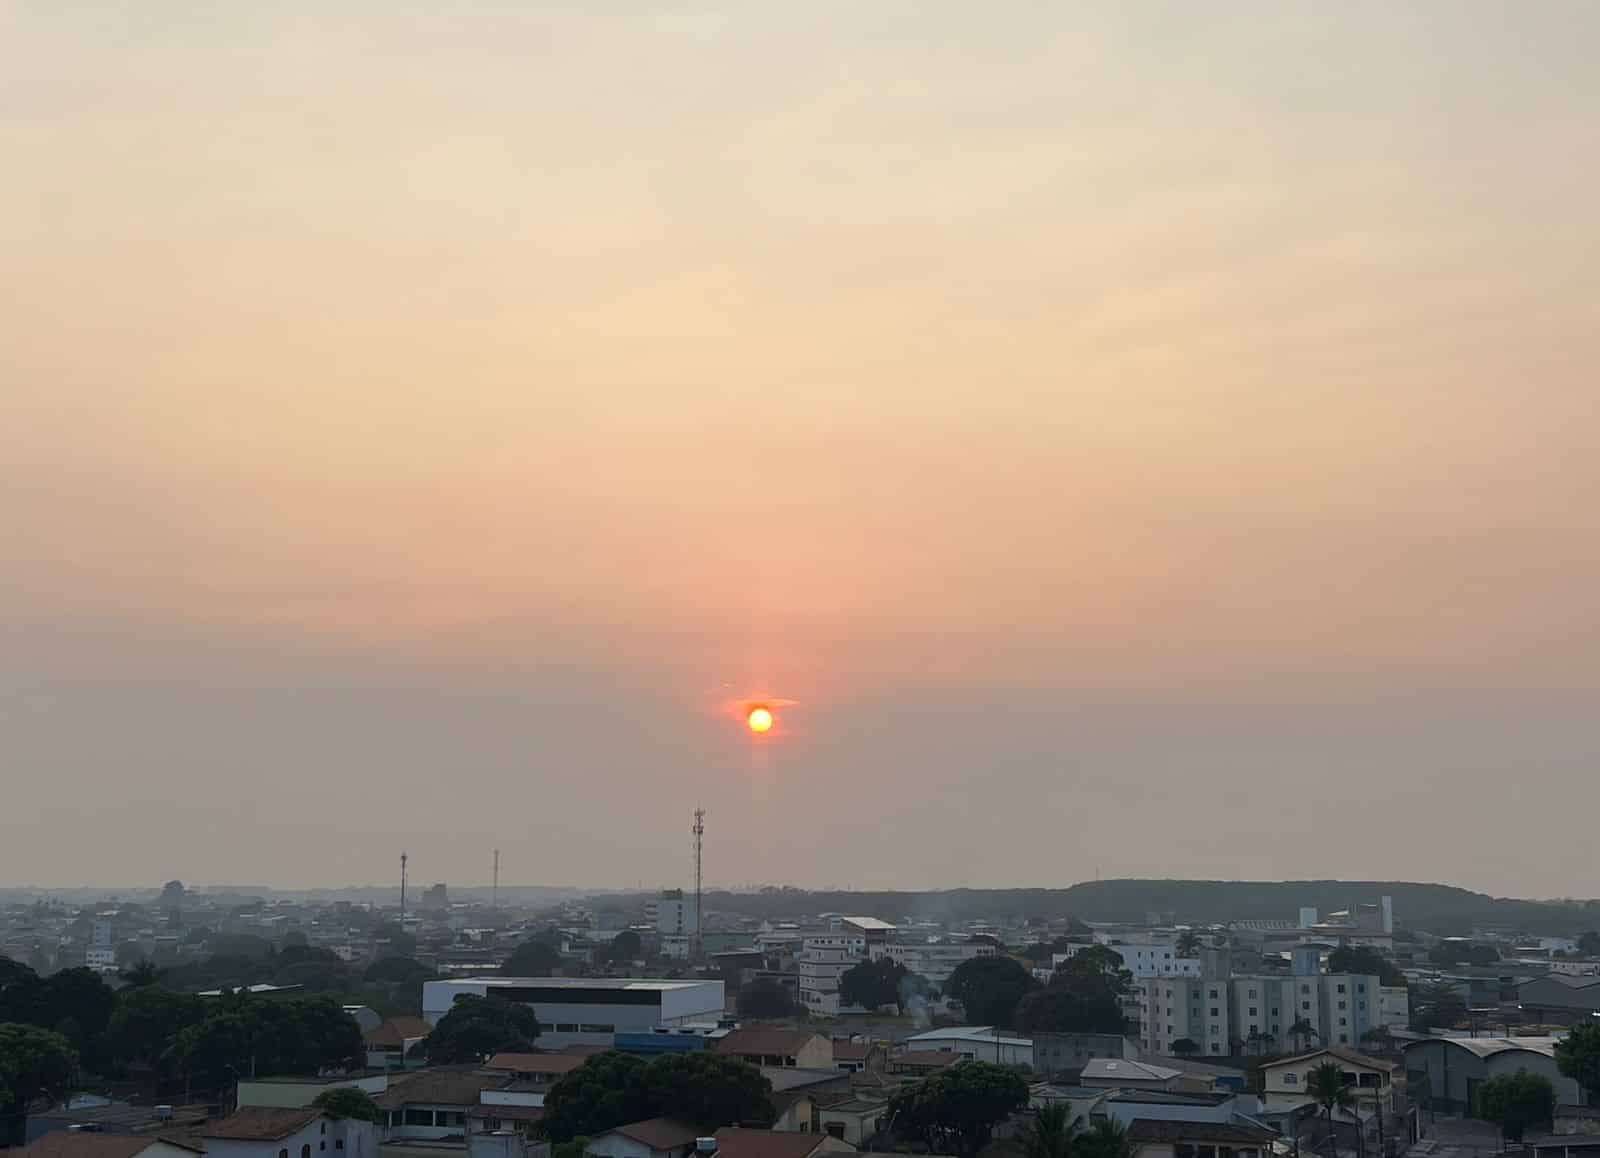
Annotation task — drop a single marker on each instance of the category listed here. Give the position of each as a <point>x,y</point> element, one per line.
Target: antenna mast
<point>402,886</point>
<point>494,896</point>
<point>697,944</point>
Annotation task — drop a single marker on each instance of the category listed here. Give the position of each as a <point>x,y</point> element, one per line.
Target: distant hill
<point>1442,909</point>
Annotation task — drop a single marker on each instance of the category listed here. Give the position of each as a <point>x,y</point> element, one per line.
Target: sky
<point>1150,439</point>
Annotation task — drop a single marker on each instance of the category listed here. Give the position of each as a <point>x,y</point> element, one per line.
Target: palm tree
<point>1107,1138</point>
<point>1188,944</point>
<point>1302,1032</point>
<point>1053,1132</point>
<point>1327,1088</point>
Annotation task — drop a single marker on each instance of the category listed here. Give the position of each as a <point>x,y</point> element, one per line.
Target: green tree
<point>1578,1055</point>
<point>1378,1039</point>
<point>625,947</point>
<point>1051,1133</point>
<point>956,1110</point>
<point>1367,960</point>
<point>1107,1138</point>
<point>873,984</point>
<point>1326,1087</point>
<point>1189,944</point>
<point>765,997</point>
<point>605,1091</point>
<point>1055,1009</point>
<point>349,1102</point>
<point>1302,1033</point>
<point>476,1027</point>
<point>33,1062</point>
<point>708,1090</point>
<point>243,1035</point>
<point>142,973</point>
<point>146,1021</point>
<point>990,989</point>
<point>1093,972</point>
<point>1517,1101</point>
<point>402,970</point>
<point>1185,1047</point>
<point>532,959</point>
<point>1437,1005</point>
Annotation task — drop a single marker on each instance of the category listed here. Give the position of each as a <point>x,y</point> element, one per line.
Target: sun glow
<point>759,720</point>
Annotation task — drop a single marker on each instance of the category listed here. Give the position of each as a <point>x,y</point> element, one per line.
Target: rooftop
<point>766,1041</point>
<point>1489,1046</point>
<point>535,1063</point>
<point>1125,1070</point>
<point>735,1142</point>
<point>261,1123</point>
<point>1157,1130</point>
<point>76,1144</point>
<point>399,1030</point>
<point>633,984</point>
<point>1348,1056</point>
<point>658,1133</point>
<point>978,1034</point>
<point>439,1087</point>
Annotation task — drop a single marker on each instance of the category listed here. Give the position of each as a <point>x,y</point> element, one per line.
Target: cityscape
<point>705,579</point>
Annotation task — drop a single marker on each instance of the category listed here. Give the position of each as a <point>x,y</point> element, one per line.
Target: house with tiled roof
<point>652,1138</point>
<point>388,1044</point>
<point>84,1144</point>
<point>779,1048</point>
<point>738,1142</point>
<point>288,1132</point>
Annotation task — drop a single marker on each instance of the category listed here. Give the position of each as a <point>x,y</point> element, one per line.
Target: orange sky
<point>1159,421</point>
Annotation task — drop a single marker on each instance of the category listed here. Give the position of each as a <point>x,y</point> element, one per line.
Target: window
<point>322,1145</point>
<point>1252,1011</point>
<point>324,1129</point>
<point>1214,1011</point>
<point>1305,989</point>
<point>1344,1021</point>
<point>566,1027</point>
<point>1213,993</point>
<point>1340,987</point>
<point>418,1117</point>
<point>1341,1005</point>
<point>1361,986</point>
<point>338,1143</point>
<point>1252,993</point>
<point>1291,1079</point>
<point>1305,1005</point>
<point>305,1151</point>
<point>596,1028</point>
<point>1274,1011</point>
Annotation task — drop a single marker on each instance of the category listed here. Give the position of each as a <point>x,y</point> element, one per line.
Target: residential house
<point>288,1132</point>
<point>1151,1138</point>
<point>85,1144</point>
<point>737,1142</point>
<point>853,1120</point>
<point>854,1057</point>
<point>796,1094</point>
<point>1128,1074</point>
<point>434,1104</point>
<point>389,1043</point>
<point>1370,1079</point>
<point>779,1048</point>
<point>921,1062</point>
<point>652,1138</point>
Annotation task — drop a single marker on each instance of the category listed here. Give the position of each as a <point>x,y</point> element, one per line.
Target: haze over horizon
<point>1150,440</point>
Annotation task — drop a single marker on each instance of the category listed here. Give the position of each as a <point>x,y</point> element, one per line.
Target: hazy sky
<point>1160,439</point>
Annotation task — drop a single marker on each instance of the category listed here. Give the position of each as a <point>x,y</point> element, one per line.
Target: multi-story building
<point>586,1010</point>
<point>1223,1014</point>
<point>934,962</point>
<point>825,957</point>
<point>675,915</point>
<point>1152,959</point>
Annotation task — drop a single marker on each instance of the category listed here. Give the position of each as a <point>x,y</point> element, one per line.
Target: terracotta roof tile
<point>261,1123</point>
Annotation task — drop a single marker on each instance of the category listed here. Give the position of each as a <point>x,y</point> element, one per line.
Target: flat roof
<point>978,1034</point>
<point>630,983</point>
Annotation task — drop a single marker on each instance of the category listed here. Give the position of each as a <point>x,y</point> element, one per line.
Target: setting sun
<point>759,719</point>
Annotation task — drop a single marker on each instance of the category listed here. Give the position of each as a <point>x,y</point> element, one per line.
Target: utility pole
<point>697,945</point>
<point>494,895</point>
<point>402,887</point>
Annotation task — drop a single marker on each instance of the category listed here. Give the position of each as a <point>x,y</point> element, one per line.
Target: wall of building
<point>311,1140</point>
<point>297,1095</point>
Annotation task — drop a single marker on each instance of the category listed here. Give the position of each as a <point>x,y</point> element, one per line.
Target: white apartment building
<point>1225,1015</point>
<point>1154,959</point>
<point>675,916</point>
<point>825,957</point>
<point>934,962</point>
